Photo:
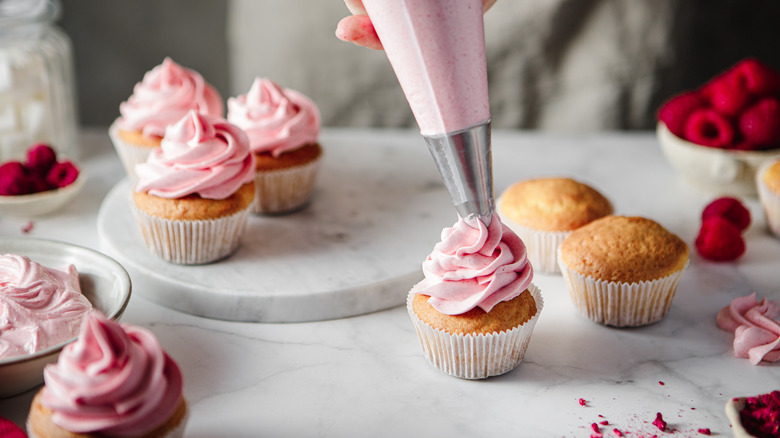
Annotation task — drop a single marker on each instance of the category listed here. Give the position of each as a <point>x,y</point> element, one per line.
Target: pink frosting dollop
<point>276,120</point>
<point>199,155</point>
<point>40,307</point>
<point>475,265</point>
<point>165,94</point>
<point>115,379</point>
<point>756,330</point>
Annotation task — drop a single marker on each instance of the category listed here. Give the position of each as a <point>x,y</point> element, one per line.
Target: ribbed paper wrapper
<point>192,242</point>
<point>476,356</point>
<point>129,154</point>
<point>285,190</point>
<point>770,201</point>
<point>621,304</point>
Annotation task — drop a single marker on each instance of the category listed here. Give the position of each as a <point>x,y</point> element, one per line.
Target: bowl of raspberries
<point>718,135</point>
<point>39,185</point>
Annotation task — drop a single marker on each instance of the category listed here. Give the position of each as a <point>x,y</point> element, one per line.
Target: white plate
<point>103,281</point>
<point>37,204</point>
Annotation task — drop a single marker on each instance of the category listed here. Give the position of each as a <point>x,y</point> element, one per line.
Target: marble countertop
<point>366,375</point>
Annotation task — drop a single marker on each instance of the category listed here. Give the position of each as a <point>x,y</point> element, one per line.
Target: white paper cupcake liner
<point>284,190</point>
<point>541,246</point>
<point>129,154</point>
<point>770,201</point>
<point>191,242</point>
<point>475,356</point>
<point>621,304</point>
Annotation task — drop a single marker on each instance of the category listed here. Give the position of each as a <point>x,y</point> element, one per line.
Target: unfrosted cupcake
<point>283,127</point>
<point>544,211</point>
<point>163,97</point>
<point>195,192</point>
<point>476,308</point>
<point>115,380</point>
<point>622,271</point>
<point>768,183</point>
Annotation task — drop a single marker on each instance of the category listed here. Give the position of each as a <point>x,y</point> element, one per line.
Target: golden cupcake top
<point>624,249</point>
<point>771,177</point>
<point>553,204</point>
<point>194,207</point>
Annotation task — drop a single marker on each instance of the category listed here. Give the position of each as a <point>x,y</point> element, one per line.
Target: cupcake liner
<point>621,304</point>
<point>477,356</point>
<point>770,201</point>
<point>541,246</point>
<point>191,242</point>
<point>284,190</point>
<point>129,154</point>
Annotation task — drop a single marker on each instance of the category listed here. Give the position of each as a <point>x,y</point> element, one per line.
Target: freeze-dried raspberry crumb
<point>707,127</point>
<point>660,382</point>
<point>26,229</point>
<point>761,415</point>
<point>40,158</point>
<point>728,208</point>
<point>659,422</point>
<point>604,423</point>
<point>582,402</point>
<point>596,431</point>
<point>674,112</point>
<point>705,431</point>
<point>10,430</point>
<point>719,240</point>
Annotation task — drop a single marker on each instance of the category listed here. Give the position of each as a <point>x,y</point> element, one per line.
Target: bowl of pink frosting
<point>46,287</point>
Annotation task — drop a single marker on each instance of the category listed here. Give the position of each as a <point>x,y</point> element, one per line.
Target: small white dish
<point>713,170</point>
<point>733,408</point>
<point>41,203</point>
<point>103,281</point>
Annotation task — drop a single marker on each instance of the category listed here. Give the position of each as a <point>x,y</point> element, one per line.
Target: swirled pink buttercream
<point>276,120</point>
<point>40,307</point>
<point>115,379</point>
<point>198,155</point>
<point>475,265</point>
<point>756,331</point>
<point>164,96</point>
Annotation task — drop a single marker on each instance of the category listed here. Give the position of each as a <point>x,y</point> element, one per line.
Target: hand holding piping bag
<point>358,29</point>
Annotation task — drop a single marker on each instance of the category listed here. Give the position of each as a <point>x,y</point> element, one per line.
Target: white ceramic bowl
<point>37,204</point>
<point>713,170</point>
<point>103,281</point>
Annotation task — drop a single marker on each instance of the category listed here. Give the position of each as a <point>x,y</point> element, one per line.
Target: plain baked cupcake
<point>476,308</point>
<point>622,271</point>
<point>195,192</point>
<point>283,127</point>
<point>544,211</point>
<point>768,183</point>
<point>115,380</point>
<point>163,97</point>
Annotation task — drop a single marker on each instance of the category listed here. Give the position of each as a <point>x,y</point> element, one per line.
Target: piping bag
<point>437,51</point>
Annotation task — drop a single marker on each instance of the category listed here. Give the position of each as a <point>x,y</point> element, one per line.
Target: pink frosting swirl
<point>198,155</point>
<point>475,266</point>
<point>276,120</point>
<point>40,307</point>
<point>756,331</point>
<point>165,95</point>
<point>115,379</point>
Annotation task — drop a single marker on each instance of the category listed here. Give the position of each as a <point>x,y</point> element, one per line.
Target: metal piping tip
<point>465,162</point>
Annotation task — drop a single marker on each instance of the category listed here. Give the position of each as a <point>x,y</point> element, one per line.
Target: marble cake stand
<point>356,248</point>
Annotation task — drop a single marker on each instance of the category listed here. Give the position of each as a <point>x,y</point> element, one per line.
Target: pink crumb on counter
<point>583,402</point>
<point>596,431</point>
<point>617,432</point>
<point>705,431</point>
<point>660,382</point>
<point>659,422</point>
<point>28,227</point>
<point>604,423</point>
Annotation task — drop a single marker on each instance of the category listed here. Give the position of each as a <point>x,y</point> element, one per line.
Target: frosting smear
<point>756,330</point>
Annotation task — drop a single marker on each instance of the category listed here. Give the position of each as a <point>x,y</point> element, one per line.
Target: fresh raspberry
<point>730,209</point>
<point>37,183</point>
<point>708,128</point>
<point>13,179</point>
<point>675,111</point>
<point>719,240</point>
<point>62,174</point>
<point>760,123</point>
<point>756,78</point>
<point>10,430</point>
<point>727,94</point>
<point>40,158</point>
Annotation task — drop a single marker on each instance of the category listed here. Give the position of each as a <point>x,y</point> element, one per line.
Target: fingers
<point>359,30</point>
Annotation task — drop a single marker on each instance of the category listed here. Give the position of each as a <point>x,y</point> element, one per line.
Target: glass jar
<point>37,89</point>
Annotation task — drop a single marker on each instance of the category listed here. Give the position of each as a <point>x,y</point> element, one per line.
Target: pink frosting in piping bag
<point>756,331</point>
<point>115,379</point>
<point>198,155</point>
<point>475,266</point>
<point>40,307</point>
<point>165,95</point>
<point>276,120</point>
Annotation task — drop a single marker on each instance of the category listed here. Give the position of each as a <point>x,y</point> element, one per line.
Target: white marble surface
<point>366,376</point>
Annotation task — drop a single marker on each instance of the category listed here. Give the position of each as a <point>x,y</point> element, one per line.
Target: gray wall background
<point>540,55</point>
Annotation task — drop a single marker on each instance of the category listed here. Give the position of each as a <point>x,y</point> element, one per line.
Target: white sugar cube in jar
<point>37,88</point>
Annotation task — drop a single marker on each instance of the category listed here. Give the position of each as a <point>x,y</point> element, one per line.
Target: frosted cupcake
<point>115,380</point>
<point>544,211</point>
<point>768,183</point>
<point>476,308</point>
<point>283,126</point>
<point>195,192</point>
<point>622,271</point>
<point>163,97</point>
